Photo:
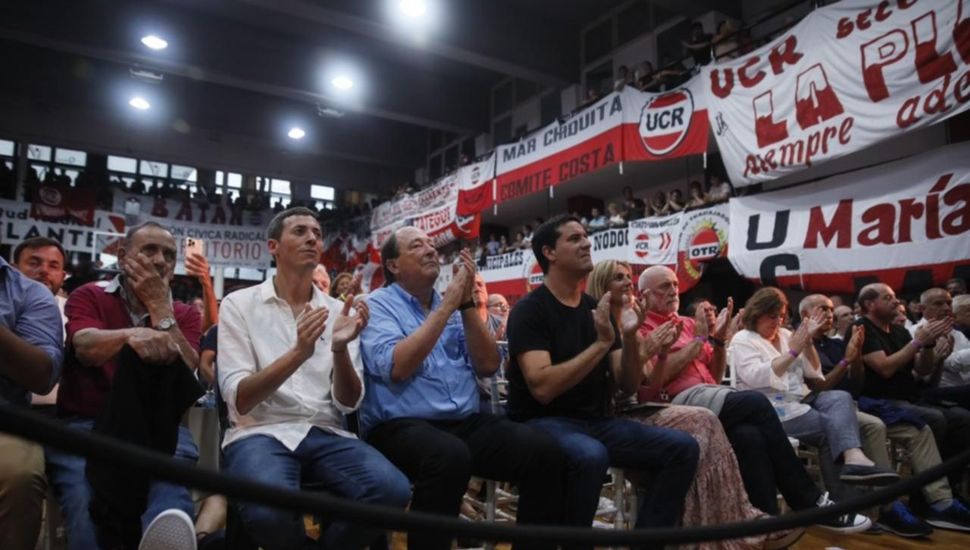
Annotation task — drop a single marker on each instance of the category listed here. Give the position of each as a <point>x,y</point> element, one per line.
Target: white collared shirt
<point>956,366</point>
<point>256,327</point>
<point>750,355</point>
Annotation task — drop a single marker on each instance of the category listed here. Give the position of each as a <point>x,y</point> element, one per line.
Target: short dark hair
<point>546,235</point>
<point>766,301</point>
<point>275,229</point>
<point>868,293</point>
<point>136,228</point>
<point>38,242</point>
<point>389,251</point>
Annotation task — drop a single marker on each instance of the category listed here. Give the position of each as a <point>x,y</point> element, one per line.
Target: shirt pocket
<point>453,342</point>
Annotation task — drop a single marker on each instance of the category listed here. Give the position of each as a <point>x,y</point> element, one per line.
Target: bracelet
<point>715,341</point>
<point>842,363</point>
<point>466,305</point>
<point>701,339</point>
<point>916,343</point>
<point>793,353</point>
<point>342,350</point>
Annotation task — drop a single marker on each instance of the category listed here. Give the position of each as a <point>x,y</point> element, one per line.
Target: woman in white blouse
<point>784,366</point>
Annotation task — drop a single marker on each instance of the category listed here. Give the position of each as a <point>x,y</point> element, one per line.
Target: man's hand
<point>346,328</point>
<point>155,347</point>
<point>660,339</point>
<point>814,323</point>
<point>454,295</point>
<point>465,263</point>
<point>943,347</point>
<point>853,350</point>
<point>145,281</point>
<point>309,327</point>
<point>631,316</point>
<point>197,266</point>
<point>723,321</point>
<point>601,319</point>
<point>701,328</point>
<point>929,332</point>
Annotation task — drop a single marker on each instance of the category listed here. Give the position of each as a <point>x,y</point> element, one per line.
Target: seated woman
<point>784,366</point>
<point>717,495</point>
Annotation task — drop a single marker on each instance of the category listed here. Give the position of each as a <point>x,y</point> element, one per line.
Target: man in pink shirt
<point>690,373</point>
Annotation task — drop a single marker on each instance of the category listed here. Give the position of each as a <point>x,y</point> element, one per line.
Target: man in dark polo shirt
<point>133,310</point>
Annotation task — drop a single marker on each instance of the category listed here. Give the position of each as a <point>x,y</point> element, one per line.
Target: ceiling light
<point>154,42</point>
<point>412,8</point>
<point>139,103</point>
<point>296,133</point>
<point>342,82</point>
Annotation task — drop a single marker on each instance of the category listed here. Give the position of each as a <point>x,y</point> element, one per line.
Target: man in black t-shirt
<point>564,350</point>
<point>900,367</point>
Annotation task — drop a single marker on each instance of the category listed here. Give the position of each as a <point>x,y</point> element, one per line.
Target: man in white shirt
<point>954,349</point>
<point>290,369</point>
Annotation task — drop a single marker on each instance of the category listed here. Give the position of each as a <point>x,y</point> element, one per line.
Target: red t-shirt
<point>693,374</point>
<point>83,388</point>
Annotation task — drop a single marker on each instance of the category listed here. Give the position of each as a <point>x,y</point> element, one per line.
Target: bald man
<point>952,349</point>
<point>321,278</point>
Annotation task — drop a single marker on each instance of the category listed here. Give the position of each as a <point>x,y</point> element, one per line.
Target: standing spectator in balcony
<point>675,201</point>
<point>658,206</point>
<point>726,40</point>
<point>597,220</point>
<point>697,196</point>
<point>503,245</point>
<point>519,242</point>
<point>632,206</point>
<point>719,190</point>
<point>622,78</point>
<point>647,79</point>
<point>137,187</point>
<point>492,247</point>
<point>616,218</point>
<point>527,229</point>
<point>698,44</point>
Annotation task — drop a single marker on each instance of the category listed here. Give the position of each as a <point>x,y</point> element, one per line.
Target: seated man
<point>289,369</point>
<point>421,354</point>
<point>135,310</point>
<point>31,338</point>
<point>690,374</point>
<point>495,323</point>
<point>952,351</point>
<point>564,350</point>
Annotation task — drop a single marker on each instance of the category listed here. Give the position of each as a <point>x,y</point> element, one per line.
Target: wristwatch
<point>165,323</point>
<point>466,305</point>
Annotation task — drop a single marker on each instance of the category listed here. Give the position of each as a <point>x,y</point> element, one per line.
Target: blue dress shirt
<point>28,309</point>
<point>442,388</point>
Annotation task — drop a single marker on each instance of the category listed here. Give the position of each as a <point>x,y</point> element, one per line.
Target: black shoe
<point>867,475</point>
<point>897,519</point>
<point>845,524</point>
<point>955,518</point>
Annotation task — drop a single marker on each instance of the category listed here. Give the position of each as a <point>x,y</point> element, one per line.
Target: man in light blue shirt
<point>421,353</point>
<point>31,336</point>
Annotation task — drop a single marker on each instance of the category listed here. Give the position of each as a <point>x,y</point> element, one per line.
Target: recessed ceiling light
<point>296,133</point>
<point>413,8</point>
<point>342,82</point>
<point>139,103</point>
<point>154,42</point>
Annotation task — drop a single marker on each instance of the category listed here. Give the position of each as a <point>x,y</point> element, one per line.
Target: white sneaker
<point>845,524</point>
<point>171,530</point>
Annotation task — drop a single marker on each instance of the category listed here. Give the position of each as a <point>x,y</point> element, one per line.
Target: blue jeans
<point>66,474</point>
<point>593,445</point>
<point>833,427</point>
<point>346,467</point>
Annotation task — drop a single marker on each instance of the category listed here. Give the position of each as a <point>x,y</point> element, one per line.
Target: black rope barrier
<point>29,425</point>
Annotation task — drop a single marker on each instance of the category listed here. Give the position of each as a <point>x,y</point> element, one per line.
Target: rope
<point>27,424</point>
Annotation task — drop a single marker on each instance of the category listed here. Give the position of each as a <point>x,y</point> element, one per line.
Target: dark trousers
<point>950,423</point>
<point>767,461</point>
<point>439,457</point>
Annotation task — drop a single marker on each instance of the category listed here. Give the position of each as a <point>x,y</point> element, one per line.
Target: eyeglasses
<point>501,307</point>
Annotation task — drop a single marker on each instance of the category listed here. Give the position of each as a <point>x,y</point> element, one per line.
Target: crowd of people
<point>379,398</point>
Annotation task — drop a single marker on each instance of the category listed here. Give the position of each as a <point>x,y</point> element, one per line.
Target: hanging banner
<point>475,186</point>
<point>904,223</point>
<point>653,240</point>
<point>584,142</point>
<point>659,126</point>
<point>17,225</point>
<point>56,203</point>
<point>225,245</point>
<point>847,76</point>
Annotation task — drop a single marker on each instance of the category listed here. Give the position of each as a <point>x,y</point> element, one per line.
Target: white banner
<point>886,222</point>
<point>654,240</point>
<point>225,245</point>
<point>17,225</point>
<point>847,76</point>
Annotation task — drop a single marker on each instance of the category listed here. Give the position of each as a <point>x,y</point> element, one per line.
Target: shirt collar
<point>267,292</point>
<point>407,296</point>
<point>660,318</point>
<point>116,287</point>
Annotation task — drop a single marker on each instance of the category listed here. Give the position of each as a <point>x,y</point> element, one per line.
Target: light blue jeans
<point>65,472</point>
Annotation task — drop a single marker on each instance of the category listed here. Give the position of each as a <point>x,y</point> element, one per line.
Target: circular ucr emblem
<point>641,245</point>
<point>665,120</point>
<point>49,196</point>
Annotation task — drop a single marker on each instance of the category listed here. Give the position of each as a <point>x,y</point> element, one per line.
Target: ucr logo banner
<point>665,125</point>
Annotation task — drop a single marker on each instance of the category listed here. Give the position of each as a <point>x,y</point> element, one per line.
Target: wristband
<point>466,305</point>
<point>916,343</point>
<point>842,363</point>
<point>793,353</point>
<point>715,341</point>
<point>701,339</point>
